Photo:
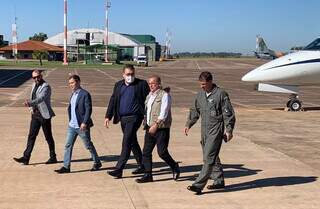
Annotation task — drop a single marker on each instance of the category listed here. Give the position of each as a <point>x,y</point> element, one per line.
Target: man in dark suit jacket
<point>80,122</point>
<point>126,105</point>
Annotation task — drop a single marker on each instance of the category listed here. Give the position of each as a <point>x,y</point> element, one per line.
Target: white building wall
<point>98,38</point>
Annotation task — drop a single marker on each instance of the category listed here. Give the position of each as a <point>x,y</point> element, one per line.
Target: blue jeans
<point>72,134</point>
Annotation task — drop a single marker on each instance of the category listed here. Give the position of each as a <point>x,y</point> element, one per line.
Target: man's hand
<point>186,130</point>
<point>153,129</point>
<point>228,136</point>
<point>83,127</point>
<point>106,122</point>
<point>26,103</point>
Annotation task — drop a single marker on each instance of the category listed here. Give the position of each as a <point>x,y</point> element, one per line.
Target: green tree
<point>39,37</point>
<point>40,55</point>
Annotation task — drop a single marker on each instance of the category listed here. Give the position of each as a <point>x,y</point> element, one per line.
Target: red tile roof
<point>33,46</point>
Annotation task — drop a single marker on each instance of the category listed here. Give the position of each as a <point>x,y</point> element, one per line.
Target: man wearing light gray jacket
<point>41,114</point>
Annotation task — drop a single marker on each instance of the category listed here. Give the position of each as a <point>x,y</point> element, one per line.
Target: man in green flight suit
<point>213,105</point>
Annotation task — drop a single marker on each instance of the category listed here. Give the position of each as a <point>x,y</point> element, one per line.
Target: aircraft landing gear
<point>294,104</point>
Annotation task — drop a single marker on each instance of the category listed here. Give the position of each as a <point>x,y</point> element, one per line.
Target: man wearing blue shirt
<point>126,105</point>
<point>80,122</point>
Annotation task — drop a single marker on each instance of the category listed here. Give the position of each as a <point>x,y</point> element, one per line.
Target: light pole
<point>108,5</point>
<point>15,40</point>
<point>65,56</point>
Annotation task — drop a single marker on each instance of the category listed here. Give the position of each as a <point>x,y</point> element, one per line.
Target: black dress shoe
<point>139,170</point>
<point>216,186</point>
<point>52,160</point>
<point>63,170</point>
<point>22,160</point>
<point>176,172</point>
<point>144,179</point>
<point>194,189</point>
<point>96,166</point>
<point>116,173</point>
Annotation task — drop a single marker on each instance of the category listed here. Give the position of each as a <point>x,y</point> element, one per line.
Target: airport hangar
<point>120,46</point>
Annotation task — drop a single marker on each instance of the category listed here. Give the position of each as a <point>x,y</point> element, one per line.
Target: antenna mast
<point>107,7</point>
<point>15,39</point>
<point>65,55</point>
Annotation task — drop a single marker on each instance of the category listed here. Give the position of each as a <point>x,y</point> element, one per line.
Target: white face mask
<point>129,79</point>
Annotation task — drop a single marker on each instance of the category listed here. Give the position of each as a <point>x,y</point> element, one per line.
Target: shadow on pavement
<point>89,170</point>
<point>267,182</point>
<point>230,171</point>
<point>14,78</point>
<point>305,109</point>
<point>311,108</point>
<point>106,158</point>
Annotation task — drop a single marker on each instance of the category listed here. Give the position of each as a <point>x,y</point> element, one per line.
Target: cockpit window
<point>315,45</point>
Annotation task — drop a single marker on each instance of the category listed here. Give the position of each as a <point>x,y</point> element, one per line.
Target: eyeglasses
<point>35,77</point>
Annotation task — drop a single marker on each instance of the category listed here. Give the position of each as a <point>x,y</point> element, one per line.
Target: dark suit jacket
<point>83,108</point>
<point>141,91</point>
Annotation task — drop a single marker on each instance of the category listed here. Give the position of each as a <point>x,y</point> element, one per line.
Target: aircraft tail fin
<point>262,49</point>
<point>261,46</point>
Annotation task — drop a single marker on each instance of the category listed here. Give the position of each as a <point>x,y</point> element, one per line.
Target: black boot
<point>197,190</point>
<point>145,178</point>
<point>52,160</point>
<point>62,170</point>
<point>219,185</point>
<point>139,170</point>
<point>23,160</point>
<point>116,173</point>
<point>176,172</point>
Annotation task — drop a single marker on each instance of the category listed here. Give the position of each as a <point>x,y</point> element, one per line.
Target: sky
<point>196,26</point>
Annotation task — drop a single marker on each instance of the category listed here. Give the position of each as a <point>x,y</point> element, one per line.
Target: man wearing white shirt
<point>157,123</point>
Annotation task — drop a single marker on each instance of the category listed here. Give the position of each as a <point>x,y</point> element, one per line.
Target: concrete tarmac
<point>272,162</point>
<point>256,176</point>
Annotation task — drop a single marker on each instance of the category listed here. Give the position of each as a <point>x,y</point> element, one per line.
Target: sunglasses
<point>35,77</point>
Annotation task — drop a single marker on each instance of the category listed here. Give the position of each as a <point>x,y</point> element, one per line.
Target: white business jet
<point>285,74</point>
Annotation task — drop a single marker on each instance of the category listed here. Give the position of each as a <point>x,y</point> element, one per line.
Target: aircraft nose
<point>249,77</point>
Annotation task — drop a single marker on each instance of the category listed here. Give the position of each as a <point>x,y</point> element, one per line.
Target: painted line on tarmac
<point>172,86</point>
<point>13,77</point>
<point>134,195</point>
<point>108,75</point>
<point>128,194</point>
<point>255,94</point>
<point>242,105</point>
<point>309,103</point>
<point>162,75</point>
<point>198,66</point>
<point>24,91</point>
<point>194,92</point>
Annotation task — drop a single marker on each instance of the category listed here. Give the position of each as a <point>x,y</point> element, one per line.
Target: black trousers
<point>38,121</point>
<point>161,139</point>
<point>130,126</point>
